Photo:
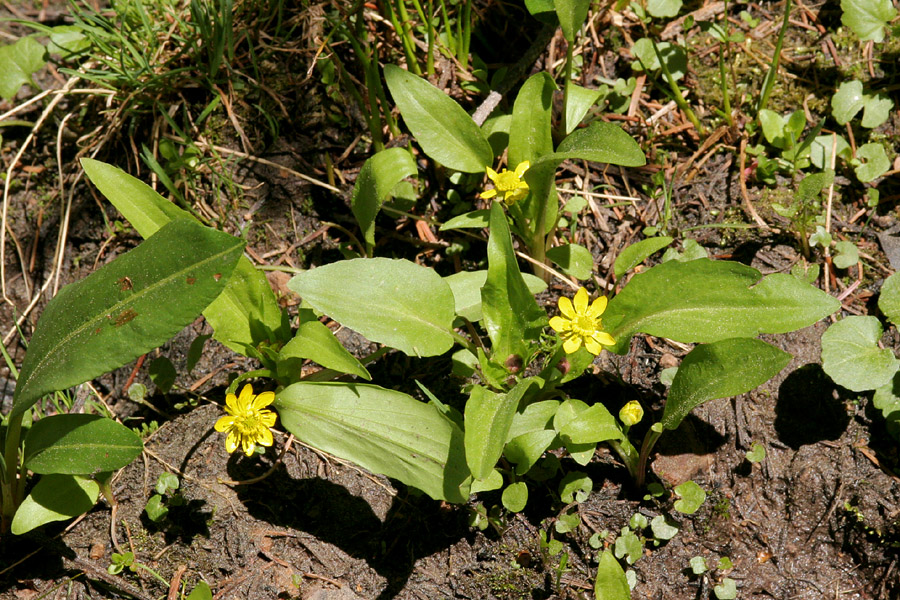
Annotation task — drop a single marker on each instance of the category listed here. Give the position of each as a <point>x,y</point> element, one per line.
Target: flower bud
<point>514,363</point>
<point>564,366</point>
<point>631,413</point>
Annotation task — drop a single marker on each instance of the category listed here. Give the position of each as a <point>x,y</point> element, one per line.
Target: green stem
<point>465,38</point>
<point>11,486</point>
<point>568,82</point>
<point>725,48</point>
<point>629,455</point>
<point>404,30</point>
<point>769,80</point>
<point>676,91</point>
<point>232,388</point>
<point>649,441</point>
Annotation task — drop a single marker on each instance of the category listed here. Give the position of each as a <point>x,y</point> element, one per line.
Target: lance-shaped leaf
<point>635,254</point>
<point>247,312</point>
<point>611,583</point>
<point>443,129</point>
<point>377,179</point>
<point>317,343</point>
<point>126,308</point>
<point>706,301</point>
<point>511,316</point>
<point>55,498</point>
<point>579,101</point>
<point>571,14</point>
<point>720,370</point>
<point>393,302</point>
<point>529,132</point>
<point>489,416</point>
<point>852,358</point>
<point>466,286</point>
<point>79,444</point>
<point>381,430</point>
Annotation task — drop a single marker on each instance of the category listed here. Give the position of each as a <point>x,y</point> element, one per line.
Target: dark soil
<point>818,518</point>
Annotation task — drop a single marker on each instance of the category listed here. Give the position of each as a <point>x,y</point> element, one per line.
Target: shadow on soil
<point>414,527</point>
<point>810,408</point>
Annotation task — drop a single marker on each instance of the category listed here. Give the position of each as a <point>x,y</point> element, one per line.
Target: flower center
<point>248,423</point>
<point>507,181</point>
<point>584,325</point>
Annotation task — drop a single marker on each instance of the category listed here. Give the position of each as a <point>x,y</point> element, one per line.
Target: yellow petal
<point>488,194</point>
<point>246,396</point>
<point>231,442</point>
<point>604,338</point>
<point>492,175</point>
<point>593,346</point>
<point>565,307</point>
<point>559,324</point>
<point>581,301</point>
<point>224,423</point>
<point>520,170</point>
<point>263,400</point>
<point>572,344</point>
<point>267,417</point>
<point>264,438</point>
<point>597,307</point>
<point>249,446</point>
<point>231,404</point>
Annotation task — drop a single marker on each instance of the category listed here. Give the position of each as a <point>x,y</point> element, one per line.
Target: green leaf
<point>698,565</point>
<point>820,150</point>
<point>587,425</point>
<point>18,62</point>
<point>55,498</point>
<point>393,302</point>
<point>162,373</point>
<point>601,142</point>
<point>201,592</point>
<point>636,253</point>
<point>876,111</point>
<point>772,127</point>
<point>525,450</point>
<point>488,418</point>
<point>79,444</point>
<point>529,132</point>
<point>317,343</point>
<point>690,497</point>
<point>573,259</point>
<point>512,317</point>
<point>876,165</point>
<point>628,546</point>
<point>446,133</point>
<point>867,18</point>
<point>889,299</point>
<point>66,40</point>
<point>126,308</point>
<point>706,301</point>
<point>571,14</point>
<point>663,528</point>
<point>674,56</point>
<point>494,481</point>
<point>476,219</point>
<point>756,453</point>
<point>575,487</point>
<point>537,416</point>
<point>195,352</point>
<point>611,583</point>
<point>852,358</point>
<point>466,286</point>
<point>720,370</point>
<point>663,8</point>
<point>579,101</point>
<point>247,312</point>
<point>381,430</point>
<point>847,255</point>
<point>847,101</point>
<point>377,178</point>
<point>727,590</point>
<point>515,496</point>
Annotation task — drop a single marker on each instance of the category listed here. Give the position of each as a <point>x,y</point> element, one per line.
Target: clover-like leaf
<point>852,358</point>
<point>867,18</point>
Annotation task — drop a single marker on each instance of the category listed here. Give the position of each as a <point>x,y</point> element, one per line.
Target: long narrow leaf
<point>126,308</point>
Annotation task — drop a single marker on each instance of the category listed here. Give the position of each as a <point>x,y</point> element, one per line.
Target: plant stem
<point>676,91</point>
<point>769,80</point>
<point>649,441</point>
<point>563,124</point>
<point>629,455</point>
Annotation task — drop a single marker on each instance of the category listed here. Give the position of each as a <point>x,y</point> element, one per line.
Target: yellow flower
<point>247,422</point>
<point>582,324</point>
<point>508,184</point>
<point>631,413</point>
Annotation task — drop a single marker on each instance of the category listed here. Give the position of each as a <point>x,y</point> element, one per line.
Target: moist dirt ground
<point>817,518</point>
